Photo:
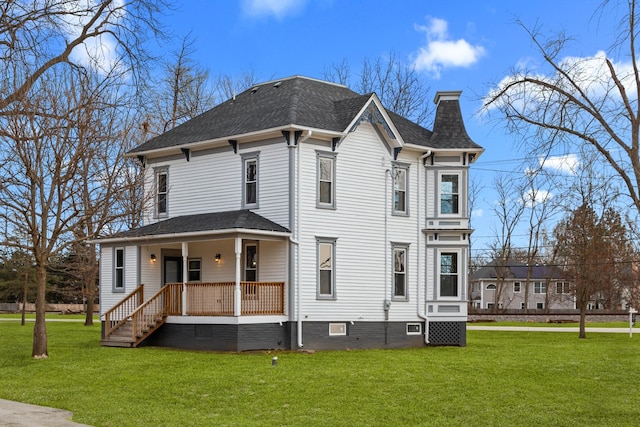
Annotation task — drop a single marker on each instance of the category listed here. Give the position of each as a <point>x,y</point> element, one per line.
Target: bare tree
<point>47,33</point>
<point>508,210</point>
<point>398,85</point>
<point>228,86</point>
<point>589,101</point>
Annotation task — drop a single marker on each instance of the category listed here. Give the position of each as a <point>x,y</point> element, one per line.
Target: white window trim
<point>189,269</point>
<point>565,288</point>
<point>337,329</point>
<point>332,242</point>
<point>542,285</point>
<point>323,155</point>
<point>405,168</point>
<point>460,192</point>
<point>519,287</point>
<point>418,332</point>
<point>115,287</point>
<point>156,205</point>
<point>439,264</point>
<point>403,247</point>
<point>247,157</point>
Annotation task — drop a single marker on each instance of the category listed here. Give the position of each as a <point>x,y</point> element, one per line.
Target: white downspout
<point>418,236</point>
<point>295,240</point>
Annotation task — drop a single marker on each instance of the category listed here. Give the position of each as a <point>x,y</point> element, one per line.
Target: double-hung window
<point>162,192</point>
<point>326,177</point>
<point>250,177</point>
<point>449,277</point>
<point>562,288</point>
<point>195,269</point>
<point>326,250</point>
<point>449,194</point>
<point>251,262</point>
<point>118,270</point>
<point>539,288</point>
<point>400,189</point>
<point>516,287</point>
<point>400,272</point>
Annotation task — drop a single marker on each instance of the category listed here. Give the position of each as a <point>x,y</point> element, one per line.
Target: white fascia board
<point>194,234</point>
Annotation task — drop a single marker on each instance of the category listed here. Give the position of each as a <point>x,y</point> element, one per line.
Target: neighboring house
<point>505,286</point>
<point>296,214</point>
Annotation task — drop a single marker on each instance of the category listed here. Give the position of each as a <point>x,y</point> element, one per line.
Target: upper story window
<point>400,272</point>
<point>326,173</point>
<point>449,277</point>
<point>400,189</point>
<point>516,287</point>
<point>539,288</point>
<point>118,267</point>
<point>162,191</point>
<point>326,249</point>
<point>250,180</point>
<point>562,288</point>
<point>449,194</point>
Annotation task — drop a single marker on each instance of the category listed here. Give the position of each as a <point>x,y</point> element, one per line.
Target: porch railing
<point>217,299</point>
<point>120,312</point>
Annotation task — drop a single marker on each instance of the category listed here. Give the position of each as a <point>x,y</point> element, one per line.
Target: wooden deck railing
<point>120,312</point>
<point>149,315</point>
<point>217,299</point>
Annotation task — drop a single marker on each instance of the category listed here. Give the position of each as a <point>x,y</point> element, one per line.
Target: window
<point>250,180</point>
<point>337,329</point>
<point>449,194</point>
<point>162,191</point>
<point>400,185</point>
<point>521,306</point>
<point>251,262</point>
<point>326,180</point>
<point>491,287</point>
<point>414,328</point>
<point>490,305</point>
<point>539,288</point>
<point>326,268</point>
<point>399,273</point>
<point>449,274</point>
<point>562,288</point>
<point>118,274</point>
<point>195,270</point>
<point>516,287</point>
<point>540,305</point>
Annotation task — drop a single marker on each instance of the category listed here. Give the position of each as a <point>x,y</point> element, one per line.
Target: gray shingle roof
<point>216,221</point>
<point>518,270</point>
<point>309,103</point>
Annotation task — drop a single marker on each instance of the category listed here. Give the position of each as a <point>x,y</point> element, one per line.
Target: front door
<point>172,269</point>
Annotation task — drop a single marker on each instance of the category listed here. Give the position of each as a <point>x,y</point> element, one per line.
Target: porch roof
<point>200,224</point>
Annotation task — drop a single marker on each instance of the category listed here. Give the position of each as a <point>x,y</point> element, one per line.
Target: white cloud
<point>568,163</point>
<point>441,51</point>
<point>277,8</point>
<point>534,197</point>
<point>477,213</point>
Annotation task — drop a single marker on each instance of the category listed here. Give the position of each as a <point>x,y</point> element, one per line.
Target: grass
<point>500,378</point>
<point>555,325</point>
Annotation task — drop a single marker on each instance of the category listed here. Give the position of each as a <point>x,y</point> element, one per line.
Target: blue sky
<point>457,45</point>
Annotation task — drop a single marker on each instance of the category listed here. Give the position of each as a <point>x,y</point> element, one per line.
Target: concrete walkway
<point>16,414</point>
<point>549,329</point>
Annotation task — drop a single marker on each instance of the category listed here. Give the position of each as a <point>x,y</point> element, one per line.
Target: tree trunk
<point>88,320</point>
<point>24,296</point>
<point>40,329</point>
<point>583,315</point>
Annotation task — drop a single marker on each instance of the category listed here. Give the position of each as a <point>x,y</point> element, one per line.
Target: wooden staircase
<point>131,321</point>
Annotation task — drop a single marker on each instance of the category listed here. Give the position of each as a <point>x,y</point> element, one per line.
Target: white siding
<point>211,181</point>
<point>358,224</point>
<point>108,298</point>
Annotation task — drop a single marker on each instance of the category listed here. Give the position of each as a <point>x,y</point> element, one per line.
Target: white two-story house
<point>298,214</point>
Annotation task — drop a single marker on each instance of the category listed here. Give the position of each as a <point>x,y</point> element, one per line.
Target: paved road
<point>16,414</point>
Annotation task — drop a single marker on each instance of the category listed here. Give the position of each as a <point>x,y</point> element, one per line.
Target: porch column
<point>237,300</point>
<point>185,275</point>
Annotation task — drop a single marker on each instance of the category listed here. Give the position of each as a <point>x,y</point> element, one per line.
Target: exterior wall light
<point>217,258</point>
<point>153,258</point>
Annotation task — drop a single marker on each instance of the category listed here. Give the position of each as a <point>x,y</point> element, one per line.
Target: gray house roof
<point>217,221</point>
<point>517,270</point>
<point>306,102</point>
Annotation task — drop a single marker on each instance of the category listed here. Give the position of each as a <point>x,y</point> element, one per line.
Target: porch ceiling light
<point>217,258</point>
<point>153,258</point>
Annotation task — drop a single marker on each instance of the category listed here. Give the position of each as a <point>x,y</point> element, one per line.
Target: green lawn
<point>500,379</point>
